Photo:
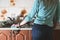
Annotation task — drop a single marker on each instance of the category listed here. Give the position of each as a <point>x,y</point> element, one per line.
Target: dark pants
<point>42,32</point>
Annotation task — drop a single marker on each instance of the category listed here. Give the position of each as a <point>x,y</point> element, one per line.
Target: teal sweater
<point>44,15</point>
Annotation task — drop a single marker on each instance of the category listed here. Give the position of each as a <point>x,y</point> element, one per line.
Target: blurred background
<point>14,10</point>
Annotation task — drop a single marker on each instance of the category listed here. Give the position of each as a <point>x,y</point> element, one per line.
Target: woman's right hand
<point>17,25</point>
<point>23,22</point>
<point>58,24</point>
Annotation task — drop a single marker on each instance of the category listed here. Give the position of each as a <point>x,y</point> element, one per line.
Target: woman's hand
<point>17,25</point>
<point>23,22</point>
<point>58,24</point>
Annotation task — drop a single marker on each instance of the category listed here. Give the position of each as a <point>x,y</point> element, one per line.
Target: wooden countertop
<point>57,28</point>
<point>15,28</point>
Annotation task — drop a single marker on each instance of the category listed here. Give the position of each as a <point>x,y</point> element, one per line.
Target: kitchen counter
<point>26,28</point>
<point>15,28</point>
<point>22,29</point>
<point>57,28</point>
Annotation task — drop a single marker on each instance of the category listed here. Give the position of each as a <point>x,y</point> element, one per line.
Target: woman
<point>43,23</point>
